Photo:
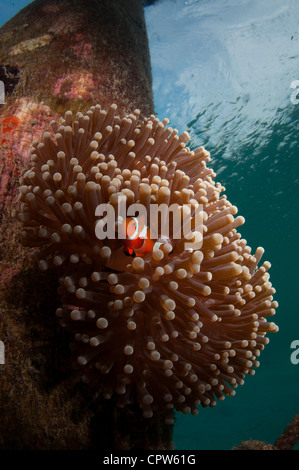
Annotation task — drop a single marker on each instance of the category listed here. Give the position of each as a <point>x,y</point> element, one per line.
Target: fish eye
<point>130,252</point>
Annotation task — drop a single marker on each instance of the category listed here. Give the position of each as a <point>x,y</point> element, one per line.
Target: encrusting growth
<point>177,327</point>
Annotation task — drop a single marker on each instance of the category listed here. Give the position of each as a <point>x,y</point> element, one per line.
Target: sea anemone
<point>177,327</point>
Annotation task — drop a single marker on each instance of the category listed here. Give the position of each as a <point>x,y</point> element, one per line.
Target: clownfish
<point>138,241</point>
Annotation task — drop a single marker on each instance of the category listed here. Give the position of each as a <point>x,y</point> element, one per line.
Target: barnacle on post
<point>178,327</point>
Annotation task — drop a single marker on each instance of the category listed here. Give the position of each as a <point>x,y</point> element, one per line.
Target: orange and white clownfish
<point>138,241</point>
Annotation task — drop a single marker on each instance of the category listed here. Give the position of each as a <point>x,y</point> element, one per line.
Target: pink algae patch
<point>75,86</point>
<point>33,118</point>
<point>7,275</point>
<point>4,182</point>
<point>81,48</point>
<point>19,127</point>
<point>8,127</point>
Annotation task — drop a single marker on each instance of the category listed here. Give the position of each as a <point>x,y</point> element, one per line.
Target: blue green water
<point>222,69</point>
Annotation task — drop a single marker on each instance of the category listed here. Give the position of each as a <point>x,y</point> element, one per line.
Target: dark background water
<point>222,69</point>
